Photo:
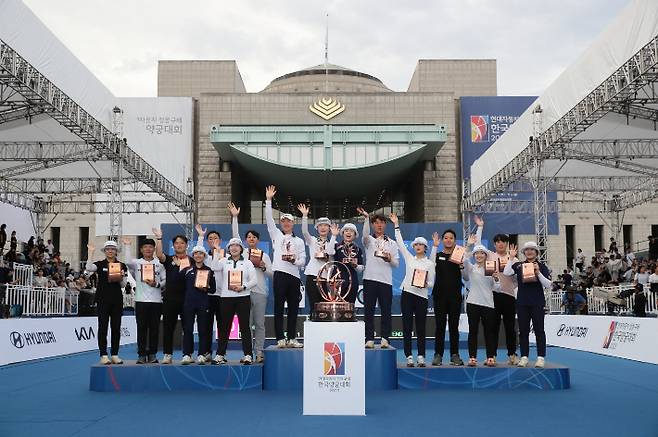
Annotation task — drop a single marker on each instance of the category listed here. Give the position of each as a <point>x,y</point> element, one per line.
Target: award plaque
<point>379,249</point>
<point>334,282</point>
<point>148,272</point>
<point>457,255</point>
<point>255,256</point>
<point>489,268</point>
<point>419,278</point>
<point>528,272</point>
<point>350,253</point>
<point>114,273</point>
<point>288,255</point>
<point>502,262</point>
<point>183,263</point>
<point>235,279</point>
<point>201,280</point>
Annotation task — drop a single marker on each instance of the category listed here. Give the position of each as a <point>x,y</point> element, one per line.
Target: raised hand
<point>235,211</point>
<point>478,220</point>
<point>436,239</point>
<point>125,241</point>
<point>363,212</point>
<point>157,232</point>
<point>472,239</point>
<point>200,230</point>
<point>91,248</point>
<point>335,230</point>
<point>303,209</point>
<point>215,244</point>
<point>270,191</point>
<point>394,218</point>
<point>513,250</point>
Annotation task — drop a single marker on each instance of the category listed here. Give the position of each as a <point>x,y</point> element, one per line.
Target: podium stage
<point>131,377</point>
<point>501,377</point>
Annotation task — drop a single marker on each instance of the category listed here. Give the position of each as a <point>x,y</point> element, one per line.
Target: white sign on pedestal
<point>334,369</point>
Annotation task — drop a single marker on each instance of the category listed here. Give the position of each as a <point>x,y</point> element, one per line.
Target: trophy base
<point>333,312</point>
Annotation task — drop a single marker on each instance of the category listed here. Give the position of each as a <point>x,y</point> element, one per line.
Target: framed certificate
<point>235,278</point>
<point>201,280</point>
<point>457,255</point>
<point>489,268</point>
<point>528,272</point>
<point>255,256</point>
<point>148,272</point>
<point>114,273</point>
<point>419,278</point>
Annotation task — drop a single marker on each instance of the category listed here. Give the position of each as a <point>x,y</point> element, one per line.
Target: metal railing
<point>597,302</point>
<point>42,301</point>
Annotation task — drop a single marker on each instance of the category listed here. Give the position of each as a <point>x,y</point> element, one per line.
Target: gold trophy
<point>334,282</point>
<point>321,253</point>
<point>379,249</point>
<point>288,254</point>
<point>350,253</point>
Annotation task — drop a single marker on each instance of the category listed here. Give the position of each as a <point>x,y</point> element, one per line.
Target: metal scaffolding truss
<point>24,93</point>
<point>69,185</point>
<point>589,184</point>
<point>626,91</point>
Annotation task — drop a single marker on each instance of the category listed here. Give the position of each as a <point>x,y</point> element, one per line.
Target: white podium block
<point>334,369</point>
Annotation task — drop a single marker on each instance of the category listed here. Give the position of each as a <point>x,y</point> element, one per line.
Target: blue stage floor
<point>608,397</point>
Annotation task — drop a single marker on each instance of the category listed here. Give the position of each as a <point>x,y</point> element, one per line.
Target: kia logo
<point>16,339</point>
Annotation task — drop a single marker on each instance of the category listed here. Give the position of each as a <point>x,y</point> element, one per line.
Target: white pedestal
<point>334,369</point>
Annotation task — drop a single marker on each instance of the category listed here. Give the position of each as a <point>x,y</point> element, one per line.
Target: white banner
<point>30,339</point>
<point>334,368</point>
<point>625,337</point>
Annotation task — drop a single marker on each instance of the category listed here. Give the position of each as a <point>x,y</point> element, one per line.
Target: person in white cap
<point>289,256</point>
<point>419,273</point>
<point>235,298</point>
<point>348,253</point>
<point>196,306</point>
<point>382,256</point>
<point>258,293</point>
<point>530,301</point>
<point>214,314</point>
<point>148,299</point>
<point>321,248</point>
<point>505,296</point>
<point>480,302</point>
<point>109,300</point>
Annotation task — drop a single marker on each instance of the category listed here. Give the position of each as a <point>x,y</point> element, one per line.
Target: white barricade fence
<point>23,274</point>
<point>34,338</point>
<point>597,300</point>
<point>42,301</point>
<point>625,337</point>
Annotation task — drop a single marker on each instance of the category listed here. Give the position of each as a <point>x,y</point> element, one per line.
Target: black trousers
<point>505,305</point>
<point>447,306</point>
<point>171,310</point>
<point>110,310</point>
<point>486,315</point>
<point>534,313</point>
<point>147,315</point>
<point>214,314</point>
<point>286,290</point>
<point>231,306</point>
<point>413,305</point>
<point>200,313</point>
<point>374,291</point>
<point>312,292</point>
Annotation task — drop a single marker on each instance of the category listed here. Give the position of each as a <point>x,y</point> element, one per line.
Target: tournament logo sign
<point>479,128</point>
<point>334,359</point>
<point>610,335</point>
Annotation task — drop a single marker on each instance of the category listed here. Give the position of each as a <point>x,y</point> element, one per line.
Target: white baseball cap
<point>350,226</point>
<point>322,221</point>
<point>110,244</point>
<point>200,249</point>
<point>420,240</point>
<point>287,216</point>
<point>233,241</point>
<point>480,248</point>
<point>530,245</point>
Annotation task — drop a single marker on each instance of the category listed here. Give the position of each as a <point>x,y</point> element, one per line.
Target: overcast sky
<point>121,41</point>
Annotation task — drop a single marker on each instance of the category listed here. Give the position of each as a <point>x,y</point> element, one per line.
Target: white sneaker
<point>540,362</point>
<point>295,344</point>
<point>186,360</point>
<point>219,359</point>
<point>410,361</point>
<point>246,360</point>
<point>116,360</point>
<point>370,344</point>
<point>384,344</point>
<point>260,358</point>
<point>105,360</point>
<point>281,343</point>
<point>512,360</point>
<point>167,359</point>
<point>201,360</point>
<point>523,362</point>
<point>421,361</point>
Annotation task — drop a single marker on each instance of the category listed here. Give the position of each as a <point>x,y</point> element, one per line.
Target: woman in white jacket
<point>480,303</point>
<point>419,274</point>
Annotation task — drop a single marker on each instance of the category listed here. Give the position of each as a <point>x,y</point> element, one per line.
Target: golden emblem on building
<point>327,108</point>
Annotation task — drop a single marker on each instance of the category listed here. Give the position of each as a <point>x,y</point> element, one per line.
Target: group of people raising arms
<point>218,284</point>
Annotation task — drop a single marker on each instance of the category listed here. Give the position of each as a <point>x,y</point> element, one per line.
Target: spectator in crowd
<point>642,276</point>
<point>580,260</point>
<point>653,247</point>
<point>572,302</point>
<point>613,246</point>
<point>566,277</point>
<point>13,242</point>
<point>40,280</point>
<point>640,304</point>
<point>3,238</point>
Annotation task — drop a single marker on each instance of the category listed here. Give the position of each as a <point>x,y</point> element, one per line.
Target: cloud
<point>121,41</point>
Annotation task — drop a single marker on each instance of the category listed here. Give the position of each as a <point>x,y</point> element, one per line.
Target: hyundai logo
<point>17,340</point>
